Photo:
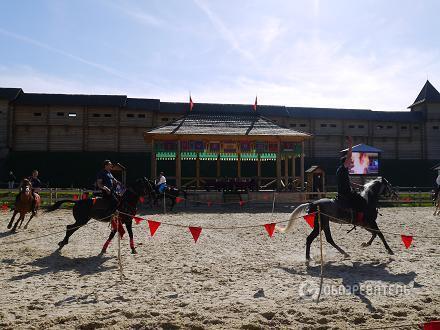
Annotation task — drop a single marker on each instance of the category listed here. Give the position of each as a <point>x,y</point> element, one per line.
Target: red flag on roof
<point>255,104</point>
<point>191,103</point>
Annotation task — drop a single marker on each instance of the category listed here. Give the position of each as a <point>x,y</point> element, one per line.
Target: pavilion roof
<point>234,124</point>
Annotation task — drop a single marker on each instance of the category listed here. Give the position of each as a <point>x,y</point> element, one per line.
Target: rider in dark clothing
<point>106,182</point>
<point>346,195</point>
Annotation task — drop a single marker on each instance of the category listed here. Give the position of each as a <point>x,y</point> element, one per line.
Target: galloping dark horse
<point>331,211</point>
<point>98,209</point>
<point>171,193</point>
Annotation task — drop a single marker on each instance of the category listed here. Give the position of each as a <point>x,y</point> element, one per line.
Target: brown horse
<point>23,205</point>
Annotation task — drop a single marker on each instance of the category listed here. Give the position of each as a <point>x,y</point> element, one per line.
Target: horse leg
<point>310,238</point>
<point>379,233</point>
<point>129,227</point>
<point>173,202</point>
<point>69,231</point>
<point>107,242</point>
<point>20,218</point>
<point>329,238</point>
<point>373,236</point>
<point>27,223</point>
<point>12,219</point>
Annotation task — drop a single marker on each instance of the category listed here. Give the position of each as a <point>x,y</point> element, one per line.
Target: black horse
<point>99,209</point>
<point>170,193</point>
<point>332,211</point>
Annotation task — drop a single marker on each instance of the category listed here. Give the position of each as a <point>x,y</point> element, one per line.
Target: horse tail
<point>57,205</point>
<point>293,216</point>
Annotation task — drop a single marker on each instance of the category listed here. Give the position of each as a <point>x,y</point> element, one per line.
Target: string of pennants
<point>407,240</point>
<point>269,227</point>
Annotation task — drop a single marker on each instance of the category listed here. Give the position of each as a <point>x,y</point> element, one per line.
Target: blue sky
<point>349,54</point>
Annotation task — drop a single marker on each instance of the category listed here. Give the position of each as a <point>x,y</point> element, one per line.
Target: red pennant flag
<point>407,240</point>
<point>255,104</point>
<point>94,200</point>
<point>141,199</point>
<point>242,203</point>
<point>137,220</point>
<point>191,103</point>
<point>270,227</point>
<point>75,197</point>
<point>179,199</point>
<point>5,207</point>
<point>310,219</point>
<point>195,232</point>
<point>433,325</point>
<point>117,225</point>
<point>209,203</point>
<point>85,196</point>
<point>153,225</point>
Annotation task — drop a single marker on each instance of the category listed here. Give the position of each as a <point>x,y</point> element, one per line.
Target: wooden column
<point>278,165</point>
<point>302,165</point>
<point>286,170</point>
<point>239,166</point>
<point>153,162</point>
<point>259,171</point>
<point>178,167</point>
<point>278,171</point>
<point>218,173</point>
<point>197,172</point>
<point>293,169</point>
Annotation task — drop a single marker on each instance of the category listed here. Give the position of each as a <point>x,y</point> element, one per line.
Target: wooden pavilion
<point>228,135</point>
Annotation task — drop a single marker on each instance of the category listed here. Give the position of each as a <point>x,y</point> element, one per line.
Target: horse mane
<point>368,187</point>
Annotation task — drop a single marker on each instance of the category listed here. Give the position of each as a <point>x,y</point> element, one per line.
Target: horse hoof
<point>25,227</point>
<point>365,244</point>
<point>391,253</point>
<point>103,251</point>
<point>346,255</point>
<point>133,251</point>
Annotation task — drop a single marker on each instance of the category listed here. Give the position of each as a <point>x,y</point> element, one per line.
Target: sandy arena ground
<point>228,280</point>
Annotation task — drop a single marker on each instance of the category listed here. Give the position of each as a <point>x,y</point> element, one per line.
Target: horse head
<point>386,189</point>
<point>26,186</point>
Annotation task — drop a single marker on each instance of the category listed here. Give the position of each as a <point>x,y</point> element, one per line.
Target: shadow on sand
<point>55,263</point>
<point>354,276</point>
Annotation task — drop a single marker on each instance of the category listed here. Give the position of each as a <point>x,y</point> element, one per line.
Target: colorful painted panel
<point>246,147</point>
<point>261,147</point>
<point>273,147</point>
<point>229,147</point>
<point>214,147</point>
<point>192,146</point>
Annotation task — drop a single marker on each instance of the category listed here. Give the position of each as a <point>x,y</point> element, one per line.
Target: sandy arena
<point>227,280</point>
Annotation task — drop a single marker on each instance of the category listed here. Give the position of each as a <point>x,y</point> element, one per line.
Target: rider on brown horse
<point>35,185</point>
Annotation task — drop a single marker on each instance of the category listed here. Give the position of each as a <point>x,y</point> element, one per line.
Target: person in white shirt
<point>162,184</point>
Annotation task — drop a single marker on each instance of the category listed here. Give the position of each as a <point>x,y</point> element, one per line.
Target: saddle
<point>348,213</point>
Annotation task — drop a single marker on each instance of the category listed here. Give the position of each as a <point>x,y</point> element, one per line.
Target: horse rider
<point>162,184</point>
<point>35,187</point>
<point>346,195</point>
<point>106,183</point>
<point>437,187</point>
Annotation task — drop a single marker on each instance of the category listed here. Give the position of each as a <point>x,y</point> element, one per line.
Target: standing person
<point>162,184</point>
<point>349,198</point>
<point>11,180</point>
<point>106,182</point>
